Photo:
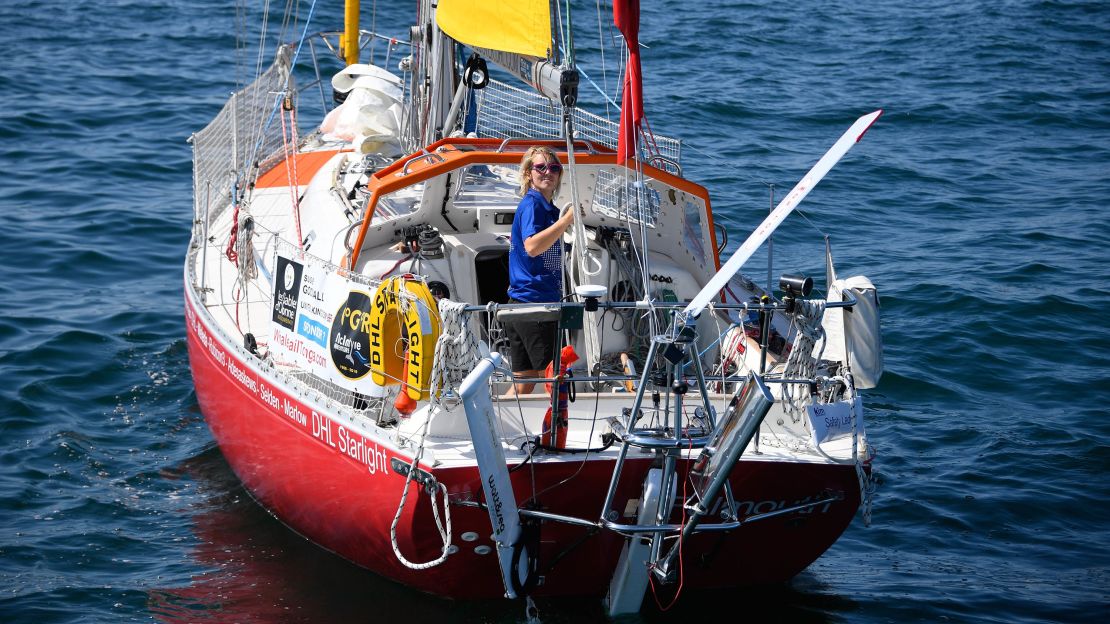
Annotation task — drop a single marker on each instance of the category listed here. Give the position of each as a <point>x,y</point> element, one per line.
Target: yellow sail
<point>520,26</point>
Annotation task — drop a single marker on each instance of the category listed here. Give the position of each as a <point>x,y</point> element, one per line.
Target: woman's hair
<point>526,167</point>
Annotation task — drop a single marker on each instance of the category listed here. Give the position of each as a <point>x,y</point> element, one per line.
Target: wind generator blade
<point>773,220</point>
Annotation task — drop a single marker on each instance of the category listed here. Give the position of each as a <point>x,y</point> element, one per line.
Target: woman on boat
<point>536,262</point>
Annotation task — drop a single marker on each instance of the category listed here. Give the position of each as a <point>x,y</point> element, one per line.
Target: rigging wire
<point>289,141</point>
<point>604,70</point>
<point>252,124</point>
<point>608,100</point>
<point>649,134</point>
<point>279,96</point>
<point>559,33</point>
<point>374,29</point>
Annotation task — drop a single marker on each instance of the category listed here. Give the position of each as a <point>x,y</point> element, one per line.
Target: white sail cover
<point>370,117</point>
<point>852,335</point>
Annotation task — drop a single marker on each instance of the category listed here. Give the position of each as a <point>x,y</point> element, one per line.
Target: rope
<point>802,362</point>
<point>280,95</point>
<point>867,484</point>
<point>243,253</point>
<point>290,138</point>
<point>866,490</point>
<point>232,241</point>
<point>455,354</point>
<point>639,324</point>
<point>732,341</point>
<point>394,267</point>
<point>444,530</point>
<point>456,350</point>
<point>244,249</point>
<point>454,357</point>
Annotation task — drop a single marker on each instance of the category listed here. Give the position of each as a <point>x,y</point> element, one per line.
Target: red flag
<point>626,17</point>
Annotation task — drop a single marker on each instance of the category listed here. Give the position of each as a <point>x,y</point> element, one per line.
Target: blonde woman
<point>536,262</point>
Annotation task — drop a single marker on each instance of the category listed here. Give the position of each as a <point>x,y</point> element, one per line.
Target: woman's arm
<point>541,241</point>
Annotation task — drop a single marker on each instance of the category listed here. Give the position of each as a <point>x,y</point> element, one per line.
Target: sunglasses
<point>554,168</point>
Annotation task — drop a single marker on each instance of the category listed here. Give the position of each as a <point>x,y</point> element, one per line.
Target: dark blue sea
<point>978,204</point>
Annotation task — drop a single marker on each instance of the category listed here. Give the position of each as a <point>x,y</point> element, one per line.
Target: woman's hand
<point>542,241</point>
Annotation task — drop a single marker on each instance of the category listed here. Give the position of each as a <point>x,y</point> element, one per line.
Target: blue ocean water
<point>976,204</point>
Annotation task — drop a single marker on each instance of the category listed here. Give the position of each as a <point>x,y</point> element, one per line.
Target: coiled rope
<point>456,350</point>
<point>802,361</point>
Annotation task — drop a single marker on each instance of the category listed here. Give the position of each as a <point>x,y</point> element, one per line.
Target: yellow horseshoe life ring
<point>403,309</point>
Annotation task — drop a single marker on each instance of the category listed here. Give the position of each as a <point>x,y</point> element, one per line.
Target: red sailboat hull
<point>336,487</point>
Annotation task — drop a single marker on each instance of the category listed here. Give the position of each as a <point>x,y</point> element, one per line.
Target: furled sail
<point>517,27</point>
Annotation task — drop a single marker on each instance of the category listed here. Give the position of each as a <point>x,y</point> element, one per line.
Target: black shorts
<point>531,345</point>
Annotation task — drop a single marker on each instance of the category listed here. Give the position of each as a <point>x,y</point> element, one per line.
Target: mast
<point>441,70</point>
<point>519,36</point>
<point>348,41</point>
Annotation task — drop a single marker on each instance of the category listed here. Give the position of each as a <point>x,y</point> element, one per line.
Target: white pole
<point>773,220</point>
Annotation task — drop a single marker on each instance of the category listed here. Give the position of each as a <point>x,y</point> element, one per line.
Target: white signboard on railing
<point>831,421</point>
<point>320,322</point>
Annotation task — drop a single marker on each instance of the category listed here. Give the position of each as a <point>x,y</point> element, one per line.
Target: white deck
<point>239,311</point>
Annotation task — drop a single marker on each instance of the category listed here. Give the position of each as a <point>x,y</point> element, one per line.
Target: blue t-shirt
<point>538,279</point>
